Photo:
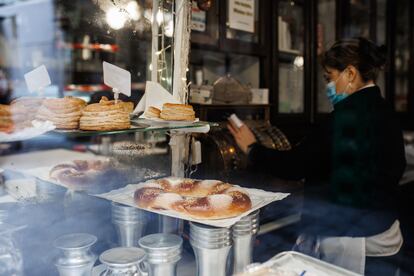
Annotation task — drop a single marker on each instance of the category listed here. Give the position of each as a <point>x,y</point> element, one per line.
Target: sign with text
<point>117,78</point>
<point>37,79</point>
<point>198,18</point>
<point>241,15</point>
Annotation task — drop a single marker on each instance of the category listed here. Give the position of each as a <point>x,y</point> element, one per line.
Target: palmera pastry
<point>199,199</point>
<point>64,113</point>
<point>106,115</point>
<point>152,112</point>
<point>177,112</point>
<point>24,110</point>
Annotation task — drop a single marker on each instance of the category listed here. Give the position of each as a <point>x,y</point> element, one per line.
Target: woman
<point>351,164</point>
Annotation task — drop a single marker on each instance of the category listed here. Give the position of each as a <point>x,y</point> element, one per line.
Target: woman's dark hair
<point>360,52</point>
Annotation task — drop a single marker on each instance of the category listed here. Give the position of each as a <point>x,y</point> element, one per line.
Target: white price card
<point>37,79</point>
<point>242,15</point>
<point>117,78</point>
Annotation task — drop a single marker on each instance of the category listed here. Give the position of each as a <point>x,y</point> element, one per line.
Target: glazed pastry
<point>199,199</point>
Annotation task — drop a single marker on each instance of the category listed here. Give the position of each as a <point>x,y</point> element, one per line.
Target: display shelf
<point>137,126</point>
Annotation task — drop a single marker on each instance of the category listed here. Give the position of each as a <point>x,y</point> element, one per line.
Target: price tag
<point>117,78</point>
<point>37,79</point>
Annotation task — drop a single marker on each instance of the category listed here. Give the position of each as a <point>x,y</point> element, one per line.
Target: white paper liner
<point>298,263</point>
<point>37,129</point>
<point>258,197</point>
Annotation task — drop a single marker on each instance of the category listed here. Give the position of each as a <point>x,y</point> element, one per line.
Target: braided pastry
<point>81,172</point>
<point>199,199</point>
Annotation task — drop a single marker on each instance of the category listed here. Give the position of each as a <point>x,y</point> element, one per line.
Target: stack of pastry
<point>64,113</point>
<point>24,111</point>
<point>106,115</point>
<point>6,121</point>
<point>177,112</point>
<point>152,112</point>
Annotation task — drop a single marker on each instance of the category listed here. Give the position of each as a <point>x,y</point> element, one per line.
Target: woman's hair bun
<point>373,54</point>
<point>360,52</point>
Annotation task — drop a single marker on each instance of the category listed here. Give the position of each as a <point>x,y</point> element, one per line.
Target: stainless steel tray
<point>304,265</point>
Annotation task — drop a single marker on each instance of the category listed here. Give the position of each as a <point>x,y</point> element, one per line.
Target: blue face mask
<point>334,97</point>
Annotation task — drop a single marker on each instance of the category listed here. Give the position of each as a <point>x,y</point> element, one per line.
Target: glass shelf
<point>137,125</point>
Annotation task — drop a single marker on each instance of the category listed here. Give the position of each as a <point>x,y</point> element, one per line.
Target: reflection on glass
<point>291,61</point>
<point>381,37</point>
<point>213,65</point>
<point>402,55</point>
<point>325,38</point>
<point>290,26</point>
<point>72,38</point>
<point>245,35</point>
<point>358,19</point>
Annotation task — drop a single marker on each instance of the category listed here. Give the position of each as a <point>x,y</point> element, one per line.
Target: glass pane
<point>291,61</point>
<point>358,19</point>
<point>402,55</point>
<point>72,38</point>
<point>325,38</point>
<point>241,23</point>
<point>214,65</point>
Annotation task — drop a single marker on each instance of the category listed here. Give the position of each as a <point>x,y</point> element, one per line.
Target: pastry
<point>64,113</point>
<point>177,112</point>
<point>6,121</point>
<point>106,115</point>
<point>80,172</point>
<point>24,110</point>
<point>199,199</point>
<point>152,112</point>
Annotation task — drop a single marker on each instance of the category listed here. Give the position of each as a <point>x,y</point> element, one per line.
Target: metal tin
<point>211,247</point>
<point>77,258</point>
<point>163,253</point>
<point>129,223</point>
<point>244,234</point>
<point>122,261</point>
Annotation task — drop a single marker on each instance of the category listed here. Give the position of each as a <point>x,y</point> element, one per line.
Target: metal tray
<point>300,263</point>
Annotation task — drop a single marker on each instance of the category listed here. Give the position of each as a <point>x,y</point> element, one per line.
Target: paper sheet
<point>259,199</point>
<point>155,95</point>
<point>37,129</point>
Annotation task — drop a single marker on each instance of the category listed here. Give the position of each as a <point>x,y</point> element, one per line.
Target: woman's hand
<point>243,136</point>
